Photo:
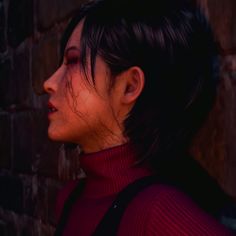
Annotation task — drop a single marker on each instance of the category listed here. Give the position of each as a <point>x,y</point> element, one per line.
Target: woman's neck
<point>95,145</point>
<point>110,170</point>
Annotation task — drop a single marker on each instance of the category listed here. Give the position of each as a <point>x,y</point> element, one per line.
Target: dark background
<point>33,169</point>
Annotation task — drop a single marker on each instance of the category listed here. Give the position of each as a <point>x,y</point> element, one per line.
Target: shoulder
<point>169,211</point>
<point>62,196</point>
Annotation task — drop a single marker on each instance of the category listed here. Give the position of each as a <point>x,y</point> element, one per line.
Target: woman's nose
<point>50,84</point>
<point>47,85</point>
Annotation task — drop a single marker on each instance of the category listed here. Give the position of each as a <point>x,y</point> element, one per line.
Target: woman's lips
<point>51,108</point>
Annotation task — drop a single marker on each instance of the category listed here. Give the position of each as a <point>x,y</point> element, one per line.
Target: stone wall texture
<point>33,169</point>
<point>30,31</point>
<point>215,144</point>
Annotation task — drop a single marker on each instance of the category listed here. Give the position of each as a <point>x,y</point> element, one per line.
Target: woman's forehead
<point>74,40</point>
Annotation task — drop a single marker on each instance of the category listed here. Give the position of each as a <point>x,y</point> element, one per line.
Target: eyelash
<point>72,61</point>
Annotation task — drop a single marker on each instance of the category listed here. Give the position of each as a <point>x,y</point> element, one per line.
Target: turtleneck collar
<point>110,170</point>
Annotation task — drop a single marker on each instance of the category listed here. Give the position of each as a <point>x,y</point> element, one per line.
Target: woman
<point>135,84</point>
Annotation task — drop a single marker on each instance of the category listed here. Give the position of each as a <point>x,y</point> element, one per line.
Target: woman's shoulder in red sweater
<point>165,210</point>
<point>159,210</point>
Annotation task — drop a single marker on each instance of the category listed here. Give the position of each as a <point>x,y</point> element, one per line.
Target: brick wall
<point>29,52</point>
<point>215,145</point>
<point>29,162</point>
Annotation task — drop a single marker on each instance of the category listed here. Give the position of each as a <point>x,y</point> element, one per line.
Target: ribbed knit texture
<point>158,210</point>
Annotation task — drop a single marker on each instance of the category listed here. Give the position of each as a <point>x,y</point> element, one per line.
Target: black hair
<point>171,41</point>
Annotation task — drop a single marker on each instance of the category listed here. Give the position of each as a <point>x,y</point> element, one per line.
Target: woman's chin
<point>59,136</point>
<point>55,136</point>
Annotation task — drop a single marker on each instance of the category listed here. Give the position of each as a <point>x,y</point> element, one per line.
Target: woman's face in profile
<point>82,114</point>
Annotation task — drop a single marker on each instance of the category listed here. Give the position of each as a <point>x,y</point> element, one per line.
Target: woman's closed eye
<point>71,56</point>
<point>71,60</point>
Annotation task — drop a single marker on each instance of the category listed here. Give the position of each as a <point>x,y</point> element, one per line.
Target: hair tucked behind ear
<point>171,41</point>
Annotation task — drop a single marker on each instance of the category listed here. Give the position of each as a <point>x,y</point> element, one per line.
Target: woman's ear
<point>133,84</point>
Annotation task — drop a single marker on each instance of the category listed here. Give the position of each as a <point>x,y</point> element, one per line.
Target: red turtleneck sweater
<point>158,210</point>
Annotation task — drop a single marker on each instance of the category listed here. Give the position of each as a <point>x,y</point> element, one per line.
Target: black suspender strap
<point>110,223</point>
<point>67,207</point>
